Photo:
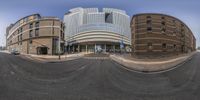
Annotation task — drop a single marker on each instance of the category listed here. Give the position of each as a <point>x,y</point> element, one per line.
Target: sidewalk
<point>148,65</point>
<point>52,58</point>
<point>5,51</point>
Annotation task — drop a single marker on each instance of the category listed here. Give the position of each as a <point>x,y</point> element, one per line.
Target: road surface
<point>94,79</point>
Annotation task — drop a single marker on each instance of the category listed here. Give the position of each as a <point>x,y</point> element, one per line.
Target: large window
<point>174,46</point>
<point>108,18</point>
<point>36,32</point>
<point>149,29</point>
<point>37,24</point>
<point>21,29</point>
<point>164,45</point>
<point>148,21</point>
<point>163,30</point>
<point>20,37</point>
<point>150,46</point>
<point>30,41</point>
<point>148,17</point>
<point>18,31</point>
<point>31,25</point>
<point>163,18</point>
<point>30,33</point>
<point>163,23</point>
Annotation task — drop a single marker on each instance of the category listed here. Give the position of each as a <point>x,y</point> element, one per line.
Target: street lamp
<point>59,45</point>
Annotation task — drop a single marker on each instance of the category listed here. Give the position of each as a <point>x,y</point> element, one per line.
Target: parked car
<point>15,52</point>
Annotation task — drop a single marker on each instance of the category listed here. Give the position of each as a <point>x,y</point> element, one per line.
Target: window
<point>26,19</point>
<point>108,18</point>
<point>30,33</point>
<point>149,29</point>
<point>162,17</point>
<point>163,30</point>
<point>148,17</point>
<point>174,21</point>
<point>164,45</point>
<point>163,23</point>
<point>21,29</point>
<point>18,31</point>
<point>30,41</point>
<point>31,25</point>
<point>150,46</point>
<point>182,30</point>
<point>174,33</point>
<point>20,37</point>
<point>61,26</point>
<point>61,34</point>
<point>36,32</point>
<point>148,21</point>
<point>174,46</point>
<point>37,24</point>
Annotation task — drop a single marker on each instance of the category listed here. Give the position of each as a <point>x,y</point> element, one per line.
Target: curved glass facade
<point>110,21</point>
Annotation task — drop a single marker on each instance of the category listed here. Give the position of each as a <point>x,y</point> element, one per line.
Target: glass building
<point>91,30</point>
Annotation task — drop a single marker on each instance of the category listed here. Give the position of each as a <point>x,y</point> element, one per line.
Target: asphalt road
<point>94,79</point>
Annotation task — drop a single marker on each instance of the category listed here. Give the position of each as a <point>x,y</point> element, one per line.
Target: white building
<point>88,30</point>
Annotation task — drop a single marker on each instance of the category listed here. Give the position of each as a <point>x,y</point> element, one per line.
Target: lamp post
<point>59,45</point>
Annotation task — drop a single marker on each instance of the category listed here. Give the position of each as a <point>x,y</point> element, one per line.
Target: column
<point>73,48</point>
<point>69,49</point>
<point>114,48</point>
<point>105,47</point>
<point>86,48</point>
<point>78,48</point>
<point>94,48</point>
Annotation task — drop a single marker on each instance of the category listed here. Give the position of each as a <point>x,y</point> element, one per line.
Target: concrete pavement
<point>151,65</point>
<point>94,79</point>
<point>52,58</point>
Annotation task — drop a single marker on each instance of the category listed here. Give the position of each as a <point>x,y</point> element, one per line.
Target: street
<point>94,79</point>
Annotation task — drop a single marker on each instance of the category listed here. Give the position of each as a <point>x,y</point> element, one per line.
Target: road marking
<point>84,66</point>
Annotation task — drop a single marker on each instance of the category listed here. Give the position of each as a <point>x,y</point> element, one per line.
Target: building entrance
<point>98,49</point>
<point>42,50</point>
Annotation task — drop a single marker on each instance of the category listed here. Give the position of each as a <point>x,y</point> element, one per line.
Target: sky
<point>186,10</point>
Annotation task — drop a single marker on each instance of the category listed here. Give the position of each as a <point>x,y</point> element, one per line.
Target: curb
<point>48,60</point>
<point>156,71</point>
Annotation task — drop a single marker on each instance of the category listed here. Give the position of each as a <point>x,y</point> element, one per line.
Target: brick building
<point>36,35</point>
<point>158,34</point>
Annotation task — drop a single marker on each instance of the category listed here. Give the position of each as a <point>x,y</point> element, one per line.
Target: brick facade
<point>158,34</point>
<point>36,35</point>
